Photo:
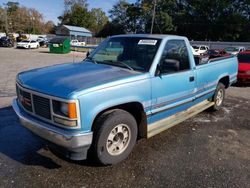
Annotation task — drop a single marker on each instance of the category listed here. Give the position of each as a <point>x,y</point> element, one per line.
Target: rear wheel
<point>218,97</point>
<point>114,136</point>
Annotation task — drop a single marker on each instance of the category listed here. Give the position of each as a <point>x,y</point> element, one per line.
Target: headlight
<point>64,109</point>
<point>65,113</point>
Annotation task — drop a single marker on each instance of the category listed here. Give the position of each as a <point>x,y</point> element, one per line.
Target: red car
<point>244,67</point>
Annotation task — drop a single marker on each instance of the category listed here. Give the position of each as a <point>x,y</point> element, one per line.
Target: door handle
<point>191,78</point>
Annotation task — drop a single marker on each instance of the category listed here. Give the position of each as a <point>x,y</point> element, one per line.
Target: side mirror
<point>168,66</point>
<point>172,65</point>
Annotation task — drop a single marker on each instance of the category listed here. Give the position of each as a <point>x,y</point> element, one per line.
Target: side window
<point>175,57</point>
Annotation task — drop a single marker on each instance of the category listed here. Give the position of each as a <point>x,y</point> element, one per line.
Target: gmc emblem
<point>25,101</point>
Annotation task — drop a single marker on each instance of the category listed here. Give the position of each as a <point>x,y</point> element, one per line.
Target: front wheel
<point>218,97</point>
<point>114,136</point>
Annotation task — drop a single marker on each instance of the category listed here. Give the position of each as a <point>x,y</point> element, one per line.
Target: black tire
<point>108,125</point>
<point>217,98</point>
<point>29,47</point>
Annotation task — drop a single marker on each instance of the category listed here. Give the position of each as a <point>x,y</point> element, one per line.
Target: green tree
<point>137,17</point>
<point>100,19</point>
<point>49,27</point>
<point>78,15</point>
<point>110,29</point>
<point>21,19</point>
<point>127,15</point>
<point>118,14</point>
<point>212,19</point>
<point>199,20</point>
<point>2,20</point>
<point>163,16</point>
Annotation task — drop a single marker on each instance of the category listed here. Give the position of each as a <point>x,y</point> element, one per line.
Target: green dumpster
<point>59,45</point>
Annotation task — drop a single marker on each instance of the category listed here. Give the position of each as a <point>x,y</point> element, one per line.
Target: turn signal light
<point>72,110</point>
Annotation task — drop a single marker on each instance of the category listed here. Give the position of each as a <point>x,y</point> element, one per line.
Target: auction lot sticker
<point>147,42</point>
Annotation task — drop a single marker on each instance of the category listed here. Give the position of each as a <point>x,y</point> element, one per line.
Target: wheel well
<point>225,81</point>
<point>136,110</point>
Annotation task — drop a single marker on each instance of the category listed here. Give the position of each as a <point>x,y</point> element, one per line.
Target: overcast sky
<point>51,9</point>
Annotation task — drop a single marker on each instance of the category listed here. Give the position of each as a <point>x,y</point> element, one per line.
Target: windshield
<point>26,41</point>
<point>244,58</point>
<point>196,47</point>
<point>231,49</point>
<point>135,53</point>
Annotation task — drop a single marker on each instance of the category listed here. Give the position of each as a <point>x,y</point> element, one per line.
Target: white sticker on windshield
<point>147,42</point>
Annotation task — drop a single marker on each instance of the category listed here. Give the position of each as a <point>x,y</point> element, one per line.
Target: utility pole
<point>153,18</point>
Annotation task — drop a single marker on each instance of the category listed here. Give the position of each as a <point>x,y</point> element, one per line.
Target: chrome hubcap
<point>219,97</point>
<point>118,139</point>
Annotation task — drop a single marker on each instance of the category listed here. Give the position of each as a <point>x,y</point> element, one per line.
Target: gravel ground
<point>210,150</point>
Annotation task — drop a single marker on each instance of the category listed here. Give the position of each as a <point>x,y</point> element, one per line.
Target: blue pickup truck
<point>129,87</point>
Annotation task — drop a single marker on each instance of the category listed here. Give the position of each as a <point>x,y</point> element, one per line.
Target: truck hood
<point>66,79</point>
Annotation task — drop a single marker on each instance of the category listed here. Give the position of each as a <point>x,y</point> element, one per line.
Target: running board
<point>162,125</point>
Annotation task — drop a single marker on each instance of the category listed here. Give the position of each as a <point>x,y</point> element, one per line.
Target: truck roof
<point>156,36</point>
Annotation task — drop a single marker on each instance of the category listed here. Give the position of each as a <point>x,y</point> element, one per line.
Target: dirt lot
<point>209,150</point>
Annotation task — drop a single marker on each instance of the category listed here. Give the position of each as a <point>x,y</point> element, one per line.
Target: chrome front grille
<point>35,104</point>
<point>42,106</point>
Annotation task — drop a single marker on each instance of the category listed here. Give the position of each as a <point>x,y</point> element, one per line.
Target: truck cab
<point>129,87</point>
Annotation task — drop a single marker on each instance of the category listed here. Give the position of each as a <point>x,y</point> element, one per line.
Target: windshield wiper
<point>91,60</point>
<point>120,62</point>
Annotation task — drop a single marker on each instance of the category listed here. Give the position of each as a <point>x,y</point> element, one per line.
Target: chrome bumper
<point>69,141</point>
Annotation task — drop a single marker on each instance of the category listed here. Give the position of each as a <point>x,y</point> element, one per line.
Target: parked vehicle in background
<point>194,52</point>
<point>212,53</point>
<point>6,42</point>
<point>28,44</point>
<point>77,43</point>
<point>130,86</point>
<point>234,50</point>
<point>21,37</point>
<point>244,67</point>
<point>43,41</point>
<point>202,49</point>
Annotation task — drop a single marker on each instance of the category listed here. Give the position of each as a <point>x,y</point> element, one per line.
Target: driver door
<point>174,86</point>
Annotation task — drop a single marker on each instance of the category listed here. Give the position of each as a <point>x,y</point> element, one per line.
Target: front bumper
<point>76,144</point>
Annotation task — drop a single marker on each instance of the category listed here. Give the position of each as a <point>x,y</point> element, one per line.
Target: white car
<point>235,50</point>
<point>198,50</point>
<point>28,44</point>
<point>77,43</point>
<point>194,52</point>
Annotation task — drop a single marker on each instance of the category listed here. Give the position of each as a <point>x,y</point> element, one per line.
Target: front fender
<point>91,104</point>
